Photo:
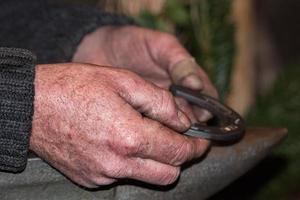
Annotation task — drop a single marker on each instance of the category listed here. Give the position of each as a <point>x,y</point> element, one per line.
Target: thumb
<point>169,54</point>
<point>185,72</point>
<point>180,65</point>
<point>188,73</point>
<point>155,103</point>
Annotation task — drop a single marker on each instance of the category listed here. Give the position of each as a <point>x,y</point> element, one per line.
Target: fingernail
<point>193,81</point>
<point>184,119</point>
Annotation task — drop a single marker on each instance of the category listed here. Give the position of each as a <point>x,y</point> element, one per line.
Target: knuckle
<point>82,181</point>
<point>171,177</point>
<point>167,104</point>
<point>202,147</point>
<point>112,166</point>
<point>129,82</point>
<point>85,183</point>
<point>128,77</point>
<point>103,181</point>
<point>169,38</point>
<point>115,170</point>
<point>89,185</point>
<point>131,145</point>
<point>183,153</point>
<point>125,76</point>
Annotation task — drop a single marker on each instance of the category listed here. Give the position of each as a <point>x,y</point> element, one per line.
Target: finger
<point>164,145</point>
<point>153,172</point>
<point>188,73</point>
<point>165,49</point>
<point>193,77</point>
<point>181,66</point>
<point>154,102</point>
<point>185,73</point>
<point>99,181</point>
<point>168,53</point>
<point>186,108</point>
<point>208,89</point>
<point>194,113</point>
<point>202,115</point>
<point>84,183</point>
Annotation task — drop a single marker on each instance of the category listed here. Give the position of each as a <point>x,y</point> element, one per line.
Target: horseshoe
<point>231,125</point>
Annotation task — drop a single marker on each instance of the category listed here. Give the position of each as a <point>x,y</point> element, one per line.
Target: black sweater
<point>52,32</point>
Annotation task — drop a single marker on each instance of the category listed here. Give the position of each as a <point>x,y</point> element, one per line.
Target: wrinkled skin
<point>151,54</point>
<point>99,124</point>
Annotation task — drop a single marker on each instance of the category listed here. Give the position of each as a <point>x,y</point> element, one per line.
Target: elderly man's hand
<point>99,124</point>
<point>156,56</point>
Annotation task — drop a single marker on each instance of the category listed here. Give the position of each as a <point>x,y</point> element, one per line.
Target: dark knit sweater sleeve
<point>16,106</point>
<point>51,30</point>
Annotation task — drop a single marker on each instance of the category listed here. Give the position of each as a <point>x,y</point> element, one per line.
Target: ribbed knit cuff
<point>17,70</point>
